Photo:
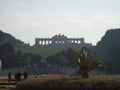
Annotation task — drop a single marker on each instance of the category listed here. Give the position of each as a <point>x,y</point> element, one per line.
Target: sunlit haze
<point>28,19</point>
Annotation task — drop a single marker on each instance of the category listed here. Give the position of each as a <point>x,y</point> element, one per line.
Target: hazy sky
<point>28,19</point>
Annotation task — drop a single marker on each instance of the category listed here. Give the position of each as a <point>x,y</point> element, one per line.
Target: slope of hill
<point>7,38</point>
<point>45,51</point>
<point>108,49</point>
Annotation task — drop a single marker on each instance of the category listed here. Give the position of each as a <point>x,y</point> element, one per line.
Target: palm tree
<point>84,62</point>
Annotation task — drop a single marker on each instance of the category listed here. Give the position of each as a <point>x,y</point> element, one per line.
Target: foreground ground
<point>98,82</point>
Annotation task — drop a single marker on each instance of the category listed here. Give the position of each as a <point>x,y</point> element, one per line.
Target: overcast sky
<point>28,19</point>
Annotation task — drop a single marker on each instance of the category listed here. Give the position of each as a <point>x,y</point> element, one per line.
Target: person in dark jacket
<point>25,74</point>
<point>19,76</point>
<point>9,77</point>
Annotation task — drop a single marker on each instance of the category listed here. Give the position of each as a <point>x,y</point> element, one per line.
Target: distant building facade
<point>59,40</point>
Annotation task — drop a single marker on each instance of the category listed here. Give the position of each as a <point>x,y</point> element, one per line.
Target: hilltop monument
<point>58,40</point>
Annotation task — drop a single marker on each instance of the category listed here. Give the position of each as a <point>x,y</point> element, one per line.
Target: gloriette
<point>59,40</point>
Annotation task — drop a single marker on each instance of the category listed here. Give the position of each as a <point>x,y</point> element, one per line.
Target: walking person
<point>9,77</point>
<point>19,76</point>
<point>15,76</point>
<point>25,74</point>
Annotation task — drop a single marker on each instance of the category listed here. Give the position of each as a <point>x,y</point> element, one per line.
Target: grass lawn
<point>6,88</point>
<point>67,81</point>
<point>94,79</point>
<point>58,82</point>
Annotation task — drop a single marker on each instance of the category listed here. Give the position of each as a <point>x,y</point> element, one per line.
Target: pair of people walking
<point>18,76</point>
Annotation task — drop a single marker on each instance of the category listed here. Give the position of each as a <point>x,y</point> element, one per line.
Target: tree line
<point>11,58</point>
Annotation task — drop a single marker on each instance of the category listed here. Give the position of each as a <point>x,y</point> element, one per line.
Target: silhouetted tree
<point>35,59</point>
<point>108,49</point>
<point>84,63</point>
<point>7,56</point>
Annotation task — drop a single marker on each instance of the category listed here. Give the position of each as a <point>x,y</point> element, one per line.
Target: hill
<point>7,38</point>
<point>108,49</point>
<point>46,51</point>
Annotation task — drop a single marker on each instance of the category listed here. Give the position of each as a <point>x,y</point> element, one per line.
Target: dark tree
<point>35,59</point>
<point>7,56</point>
<point>108,49</point>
